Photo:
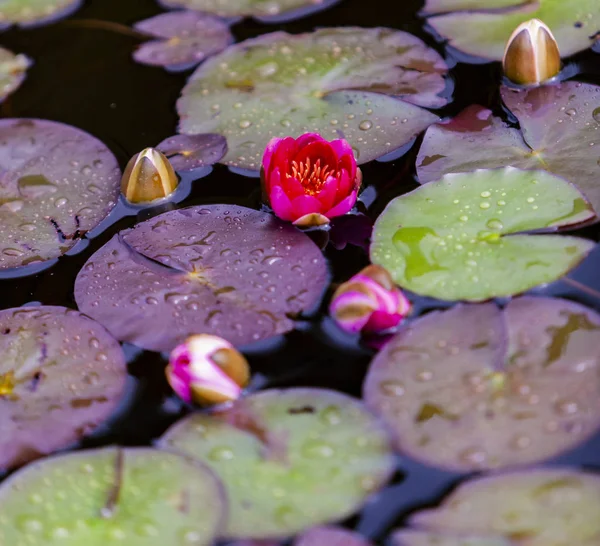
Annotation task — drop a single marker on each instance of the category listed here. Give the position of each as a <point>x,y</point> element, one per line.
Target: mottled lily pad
<point>216,269</point>
<point>560,132</point>
<point>289,459</point>
<point>266,11</point>
<point>482,27</point>
<point>56,183</point>
<point>61,375</point>
<point>188,37</point>
<point>475,387</point>
<point>26,13</point>
<point>13,69</point>
<point>536,507</point>
<point>190,152</point>
<point>411,537</point>
<point>138,497</point>
<point>342,83</point>
<point>331,536</point>
<point>463,236</point>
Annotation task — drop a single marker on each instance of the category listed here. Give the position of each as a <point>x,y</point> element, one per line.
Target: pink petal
<point>355,302</point>
<point>305,204</point>
<point>345,155</point>
<point>307,138</point>
<point>272,180</point>
<point>318,150</point>
<point>283,153</point>
<point>380,321</point>
<point>272,145</point>
<point>292,187</point>
<point>280,203</point>
<point>328,193</point>
<point>345,185</point>
<point>179,384</point>
<point>342,207</point>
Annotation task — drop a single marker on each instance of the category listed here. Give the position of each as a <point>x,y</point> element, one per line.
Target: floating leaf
<point>482,27</point>
<point>331,536</point>
<point>461,237</point>
<point>138,497</point>
<point>475,387</point>
<point>266,11</point>
<point>289,459</point>
<point>341,83</point>
<point>537,507</point>
<point>13,69</point>
<point>560,125</point>
<point>26,13</point>
<point>412,537</point>
<point>190,152</point>
<point>216,269</point>
<point>188,37</point>
<point>61,375</point>
<point>56,183</point>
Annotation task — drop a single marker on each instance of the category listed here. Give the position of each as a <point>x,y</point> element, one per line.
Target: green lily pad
<point>331,536</point>
<point>560,133</point>
<point>461,237</point>
<point>138,497</point>
<point>27,13</point>
<point>13,69</point>
<point>536,507</point>
<point>289,459</point>
<point>482,27</point>
<point>476,387</point>
<point>342,83</point>
<point>412,537</point>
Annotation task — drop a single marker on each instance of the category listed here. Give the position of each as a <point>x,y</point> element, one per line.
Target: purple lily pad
<point>61,376</point>
<point>13,69</point>
<point>559,127</point>
<point>29,13</point>
<point>331,536</point>
<point>475,387</point>
<point>189,37</point>
<point>216,269</point>
<point>533,507</point>
<point>289,459</point>
<point>412,537</point>
<point>190,152</point>
<point>56,183</point>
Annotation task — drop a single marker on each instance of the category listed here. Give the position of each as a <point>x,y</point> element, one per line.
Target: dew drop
<point>365,125</point>
<point>484,205</point>
<point>221,453</point>
<point>596,114</point>
<point>494,224</point>
<point>392,388</point>
<point>245,123</point>
<point>317,449</point>
<point>485,194</point>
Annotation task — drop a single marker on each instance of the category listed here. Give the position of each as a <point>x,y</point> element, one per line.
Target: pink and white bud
<point>369,302</point>
<point>207,370</point>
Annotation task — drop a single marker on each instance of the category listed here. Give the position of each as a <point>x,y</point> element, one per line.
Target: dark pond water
<point>84,76</point>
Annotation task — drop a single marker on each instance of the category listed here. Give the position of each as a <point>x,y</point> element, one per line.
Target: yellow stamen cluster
<point>312,177</point>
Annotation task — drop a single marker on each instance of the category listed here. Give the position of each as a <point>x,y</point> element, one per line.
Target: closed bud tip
<point>531,55</point>
<point>148,176</point>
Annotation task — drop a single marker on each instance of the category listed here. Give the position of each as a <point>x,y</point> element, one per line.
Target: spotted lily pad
<point>61,375</point>
<point>216,269</point>
<point>560,132</point>
<point>341,83</point>
<point>482,27</point>
<point>12,71</point>
<point>266,11</point>
<point>543,507</point>
<point>190,152</point>
<point>26,13</point>
<point>476,387</point>
<point>138,497</point>
<point>462,237</point>
<point>289,459</point>
<point>56,183</point>
<point>411,537</point>
<point>331,536</point>
<point>187,38</point>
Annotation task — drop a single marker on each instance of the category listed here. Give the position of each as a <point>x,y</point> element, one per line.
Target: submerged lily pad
<point>190,152</point>
<point>215,269</point>
<point>331,536</point>
<point>138,497</point>
<point>411,537</point>
<point>266,11</point>
<point>56,183</point>
<point>188,37</point>
<point>560,125</point>
<point>342,83</point>
<point>475,387</point>
<point>482,27</point>
<point>289,459</point>
<point>26,13</point>
<point>13,69</point>
<point>61,375</point>
<point>462,237</point>
<point>537,507</point>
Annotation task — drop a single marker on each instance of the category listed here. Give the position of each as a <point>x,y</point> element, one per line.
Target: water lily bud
<point>309,180</point>
<point>148,176</point>
<point>531,55</point>
<point>207,370</point>
<point>369,302</point>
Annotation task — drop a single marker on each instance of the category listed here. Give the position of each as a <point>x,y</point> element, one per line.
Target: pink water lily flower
<point>309,180</point>
<point>369,302</point>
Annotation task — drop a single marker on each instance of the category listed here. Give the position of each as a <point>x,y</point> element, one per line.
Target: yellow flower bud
<point>148,176</point>
<point>531,55</point>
